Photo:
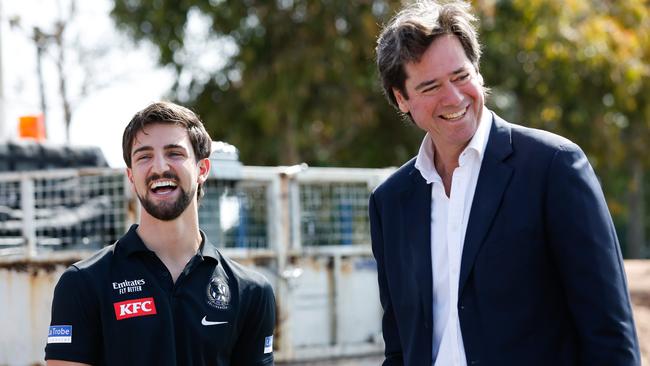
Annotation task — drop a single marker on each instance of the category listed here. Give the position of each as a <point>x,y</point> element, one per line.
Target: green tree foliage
<point>577,67</point>
<point>301,86</point>
<point>580,68</point>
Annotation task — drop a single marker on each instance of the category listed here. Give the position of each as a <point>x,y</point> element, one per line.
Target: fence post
<point>279,220</point>
<point>27,205</point>
<point>295,212</point>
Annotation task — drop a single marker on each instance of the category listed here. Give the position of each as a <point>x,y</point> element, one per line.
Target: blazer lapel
<point>416,222</point>
<point>492,182</point>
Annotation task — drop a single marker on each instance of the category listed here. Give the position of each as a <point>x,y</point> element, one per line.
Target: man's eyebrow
<point>149,148</point>
<point>140,149</point>
<point>174,146</point>
<point>426,83</point>
<point>459,70</point>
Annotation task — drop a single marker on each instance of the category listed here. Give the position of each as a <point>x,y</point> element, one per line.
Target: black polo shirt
<point>121,307</point>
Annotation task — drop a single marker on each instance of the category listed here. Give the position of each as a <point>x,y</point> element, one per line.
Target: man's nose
<point>452,95</point>
<point>160,164</point>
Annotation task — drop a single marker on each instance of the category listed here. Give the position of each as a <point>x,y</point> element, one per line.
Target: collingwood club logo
<point>218,293</point>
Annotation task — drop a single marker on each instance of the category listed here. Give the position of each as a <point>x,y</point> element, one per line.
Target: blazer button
<point>474,362</point>
<point>462,307</point>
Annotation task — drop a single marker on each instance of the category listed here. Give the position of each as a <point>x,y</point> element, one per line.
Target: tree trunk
<point>39,40</point>
<point>289,154</point>
<point>636,212</point>
<point>60,66</point>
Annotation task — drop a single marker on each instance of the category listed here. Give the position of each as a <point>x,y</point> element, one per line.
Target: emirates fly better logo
<point>136,307</point>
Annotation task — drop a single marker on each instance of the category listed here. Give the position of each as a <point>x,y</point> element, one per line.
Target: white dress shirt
<point>449,216</point>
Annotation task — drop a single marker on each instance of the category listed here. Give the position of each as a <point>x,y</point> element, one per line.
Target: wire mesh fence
<point>234,215</point>
<point>10,216</point>
<point>334,213</point>
<point>67,209</point>
<point>89,208</point>
<point>82,211</point>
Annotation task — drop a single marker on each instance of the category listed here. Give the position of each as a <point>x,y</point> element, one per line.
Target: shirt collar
<point>424,161</point>
<point>208,249</point>
<point>480,138</point>
<point>132,243</point>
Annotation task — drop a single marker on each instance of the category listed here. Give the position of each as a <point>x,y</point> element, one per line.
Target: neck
<point>175,242</point>
<point>446,161</point>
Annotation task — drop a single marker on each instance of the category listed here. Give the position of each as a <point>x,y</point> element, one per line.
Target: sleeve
<point>393,348</point>
<point>585,247</point>
<point>254,346</point>
<point>75,332</point>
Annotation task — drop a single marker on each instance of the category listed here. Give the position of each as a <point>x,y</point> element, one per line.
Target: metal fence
<point>78,209</point>
<point>60,210</point>
<point>235,215</point>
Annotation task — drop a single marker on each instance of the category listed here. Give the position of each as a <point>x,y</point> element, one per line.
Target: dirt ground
<point>638,277</point>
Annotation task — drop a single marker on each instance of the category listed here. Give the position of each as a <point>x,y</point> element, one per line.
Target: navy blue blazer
<point>541,280</point>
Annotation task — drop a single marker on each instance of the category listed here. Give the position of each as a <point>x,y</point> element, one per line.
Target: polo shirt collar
<point>207,249</point>
<point>132,243</point>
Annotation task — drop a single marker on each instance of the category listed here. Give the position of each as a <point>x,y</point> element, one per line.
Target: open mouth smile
<point>454,115</point>
<point>163,186</point>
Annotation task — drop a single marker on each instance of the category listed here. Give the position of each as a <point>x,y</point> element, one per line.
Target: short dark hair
<point>410,33</point>
<point>168,113</point>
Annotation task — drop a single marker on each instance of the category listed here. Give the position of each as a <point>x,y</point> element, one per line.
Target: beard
<point>166,211</point>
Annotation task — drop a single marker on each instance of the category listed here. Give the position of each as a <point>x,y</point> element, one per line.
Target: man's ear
<point>401,100</point>
<point>129,174</point>
<point>204,170</point>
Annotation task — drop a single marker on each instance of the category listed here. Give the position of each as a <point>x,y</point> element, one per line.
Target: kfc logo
<point>136,307</point>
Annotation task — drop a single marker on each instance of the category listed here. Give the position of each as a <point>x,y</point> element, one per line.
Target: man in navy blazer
<point>494,246</point>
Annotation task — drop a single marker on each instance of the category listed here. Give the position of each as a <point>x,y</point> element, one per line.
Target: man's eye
<point>141,157</point>
<point>430,89</point>
<point>462,77</point>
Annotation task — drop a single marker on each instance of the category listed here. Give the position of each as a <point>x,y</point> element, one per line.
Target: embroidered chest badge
<point>218,293</point>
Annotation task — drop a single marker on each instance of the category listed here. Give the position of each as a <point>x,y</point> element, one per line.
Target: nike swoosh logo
<point>206,322</point>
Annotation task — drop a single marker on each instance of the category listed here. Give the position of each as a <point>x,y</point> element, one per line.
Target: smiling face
<point>444,94</point>
<point>164,172</point>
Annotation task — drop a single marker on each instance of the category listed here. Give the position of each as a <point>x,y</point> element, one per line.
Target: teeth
<point>454,115</point>
<point>163,183</point>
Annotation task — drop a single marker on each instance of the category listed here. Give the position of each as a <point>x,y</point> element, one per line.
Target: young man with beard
<point>494,245</point>
<point>162,294</point>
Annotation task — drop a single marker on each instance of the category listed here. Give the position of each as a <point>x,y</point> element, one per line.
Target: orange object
<point>32,127</point>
